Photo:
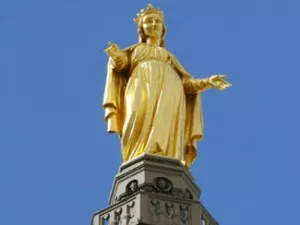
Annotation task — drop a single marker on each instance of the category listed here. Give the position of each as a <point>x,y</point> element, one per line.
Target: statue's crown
<point>148,10</point>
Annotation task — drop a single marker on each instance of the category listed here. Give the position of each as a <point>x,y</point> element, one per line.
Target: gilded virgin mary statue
<point>150,100</point>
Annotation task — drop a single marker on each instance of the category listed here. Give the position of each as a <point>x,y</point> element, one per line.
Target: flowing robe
<point>147,105</point>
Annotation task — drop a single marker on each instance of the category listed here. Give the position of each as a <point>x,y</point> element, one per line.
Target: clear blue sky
<point>57,163</point>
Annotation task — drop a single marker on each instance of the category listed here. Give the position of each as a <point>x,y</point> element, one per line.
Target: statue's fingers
<point>222,87</point>
<point>225,82</point>
<point>218,82</point>
<point>110,43</point>
<point>113,45</point>
<point>110,52</point>
<point>107,51</point>
<point>222,76</point>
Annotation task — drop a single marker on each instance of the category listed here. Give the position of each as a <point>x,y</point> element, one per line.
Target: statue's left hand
<point>219,82</point>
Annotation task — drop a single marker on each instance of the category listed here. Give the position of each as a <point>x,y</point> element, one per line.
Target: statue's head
<point>150,23</point>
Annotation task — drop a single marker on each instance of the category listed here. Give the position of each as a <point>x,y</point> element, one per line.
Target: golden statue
<point>150,100</point>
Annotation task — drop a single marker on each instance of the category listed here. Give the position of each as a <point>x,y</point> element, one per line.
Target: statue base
<point>157,190</point>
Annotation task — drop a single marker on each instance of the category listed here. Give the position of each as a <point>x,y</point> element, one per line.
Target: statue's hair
<point>142,36</point>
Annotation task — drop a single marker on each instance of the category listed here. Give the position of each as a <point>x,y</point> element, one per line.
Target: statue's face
<point>152,25</point>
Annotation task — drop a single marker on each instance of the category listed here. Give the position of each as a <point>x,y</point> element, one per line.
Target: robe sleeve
<point>194,86</point>
<point>113,100</point>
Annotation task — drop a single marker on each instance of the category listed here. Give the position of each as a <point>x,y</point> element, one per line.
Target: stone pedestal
<point>154,190</point>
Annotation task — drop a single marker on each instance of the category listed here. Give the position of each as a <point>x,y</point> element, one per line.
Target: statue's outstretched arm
<point>194,86</point>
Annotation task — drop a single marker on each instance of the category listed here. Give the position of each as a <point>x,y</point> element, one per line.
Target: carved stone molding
<point>160,184</point>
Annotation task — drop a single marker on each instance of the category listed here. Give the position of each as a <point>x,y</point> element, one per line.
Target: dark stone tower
<point>154,190</point>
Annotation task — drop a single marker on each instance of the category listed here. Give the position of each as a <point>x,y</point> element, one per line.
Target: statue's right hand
<point>112,50</point>
<point>118,58</point>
